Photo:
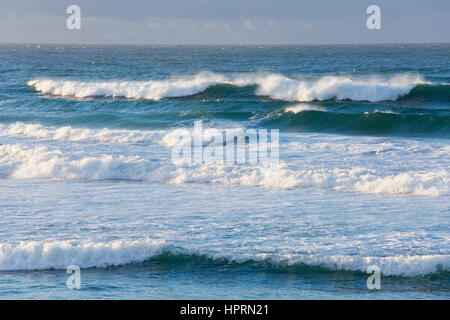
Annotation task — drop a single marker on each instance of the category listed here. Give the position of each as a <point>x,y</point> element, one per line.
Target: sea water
<point>87,179</point>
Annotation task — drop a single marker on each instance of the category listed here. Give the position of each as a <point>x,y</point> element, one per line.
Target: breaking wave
<point>45,255</point>
<point>273,85</point>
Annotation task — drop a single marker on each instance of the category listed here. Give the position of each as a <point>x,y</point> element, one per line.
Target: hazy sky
<point>224,21</point>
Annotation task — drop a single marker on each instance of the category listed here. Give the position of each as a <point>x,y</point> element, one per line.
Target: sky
<point>224,21</point>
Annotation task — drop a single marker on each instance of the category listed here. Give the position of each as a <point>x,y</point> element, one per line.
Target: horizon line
<point>223,44</point>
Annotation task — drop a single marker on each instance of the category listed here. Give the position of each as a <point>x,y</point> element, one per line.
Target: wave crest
<point>276,86</point>
<point>39,255</point>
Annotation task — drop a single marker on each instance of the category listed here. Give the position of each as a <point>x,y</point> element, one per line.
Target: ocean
<point>87,178</point>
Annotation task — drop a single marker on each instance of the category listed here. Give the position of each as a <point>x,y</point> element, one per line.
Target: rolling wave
<point>45,255</point>
<point>428,93</point>
<point>273,85</point>
<point>300,118</point>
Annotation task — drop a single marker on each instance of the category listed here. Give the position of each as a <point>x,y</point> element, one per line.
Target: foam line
<point>40,162</point>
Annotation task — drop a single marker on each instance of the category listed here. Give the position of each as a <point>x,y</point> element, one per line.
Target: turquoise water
<point>86,176</point>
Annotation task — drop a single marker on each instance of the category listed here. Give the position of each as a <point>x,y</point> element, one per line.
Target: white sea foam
<point>153,90</point>
<point>166,138</point>
<point>36,255</point>
<point>381,111</point>
<point>68,133</point>
<point>276,86</point>
<point>43,163</point>
<point>41,255</point>
<point>396,265</point>
<point>301,107</point>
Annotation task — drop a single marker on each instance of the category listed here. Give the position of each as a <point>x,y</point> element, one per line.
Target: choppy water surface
<point>86,176</point>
